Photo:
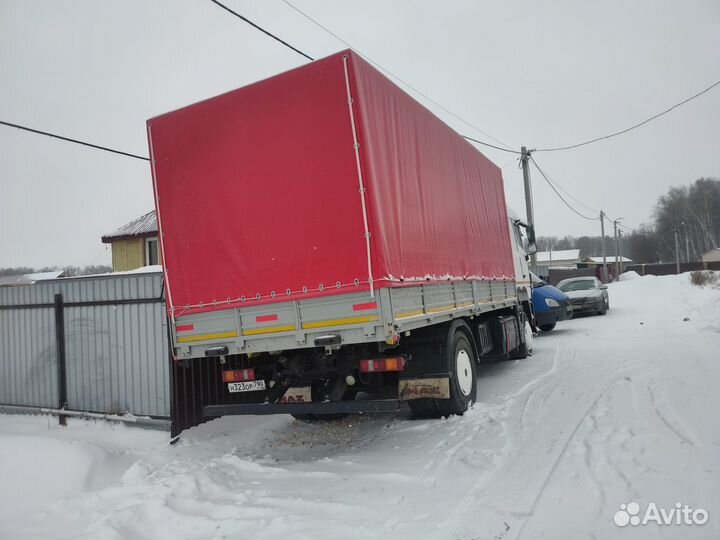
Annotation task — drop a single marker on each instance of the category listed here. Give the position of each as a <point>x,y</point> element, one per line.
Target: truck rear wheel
<point>462,366</point>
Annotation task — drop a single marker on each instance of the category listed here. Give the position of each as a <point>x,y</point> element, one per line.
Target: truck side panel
<point>355,317</point>
<point>437,204</point>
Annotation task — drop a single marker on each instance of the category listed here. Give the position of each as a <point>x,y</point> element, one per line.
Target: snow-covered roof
<point>143,226</point>
<point>564,255</point>
<point>151,269</point>
<point>712,255</point>
<point>608,259</point>
<point>28,279</point>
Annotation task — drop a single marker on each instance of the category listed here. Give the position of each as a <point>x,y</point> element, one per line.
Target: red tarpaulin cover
<point>258,192</point>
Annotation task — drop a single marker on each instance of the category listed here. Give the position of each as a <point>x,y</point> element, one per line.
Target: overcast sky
<point>527,72</point>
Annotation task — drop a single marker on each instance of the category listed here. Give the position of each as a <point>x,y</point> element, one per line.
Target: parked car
<point>549,303</point>
<point>587,294</point>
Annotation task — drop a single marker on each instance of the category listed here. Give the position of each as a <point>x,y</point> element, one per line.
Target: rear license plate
<point>247,386</point>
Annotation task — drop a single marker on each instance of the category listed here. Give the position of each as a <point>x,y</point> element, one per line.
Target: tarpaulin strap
<point>160,229</point>
<point>356,145</point>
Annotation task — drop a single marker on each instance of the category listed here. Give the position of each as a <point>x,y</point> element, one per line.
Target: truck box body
<point>326,180</point>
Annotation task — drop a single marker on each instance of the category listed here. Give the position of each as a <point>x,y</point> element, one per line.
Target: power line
<point>408,85</point>
<point>76,141</point>
<point>490,145</point>
<point>258,27</point>
<point>633,126</point>
<point>558,193</point>
<point>566,192</point>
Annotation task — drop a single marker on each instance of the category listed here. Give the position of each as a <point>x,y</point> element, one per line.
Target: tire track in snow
<point>524,476</point>
<point>670,425</point>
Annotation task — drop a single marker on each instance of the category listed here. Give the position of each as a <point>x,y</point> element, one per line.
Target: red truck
<point>335,247</point>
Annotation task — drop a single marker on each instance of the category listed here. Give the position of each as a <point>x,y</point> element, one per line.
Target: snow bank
<point>627,276</point>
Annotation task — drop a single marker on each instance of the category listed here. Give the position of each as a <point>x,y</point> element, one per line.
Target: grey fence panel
<point>28,366</point>
<point>116,353</point>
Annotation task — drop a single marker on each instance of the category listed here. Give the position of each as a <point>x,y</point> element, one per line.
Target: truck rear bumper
<point>324,407</point>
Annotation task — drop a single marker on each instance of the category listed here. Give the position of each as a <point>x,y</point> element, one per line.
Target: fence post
<point>60,349</point>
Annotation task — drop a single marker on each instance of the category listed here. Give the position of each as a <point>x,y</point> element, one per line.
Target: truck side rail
<point>350,318</point>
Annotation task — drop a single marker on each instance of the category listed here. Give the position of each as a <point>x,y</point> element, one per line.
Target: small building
<point>596,263</point>
<point>135,244</point>
<point>711,256</point>
<point>561,258</point>
<point>609,259</point>
<point>564,258</point>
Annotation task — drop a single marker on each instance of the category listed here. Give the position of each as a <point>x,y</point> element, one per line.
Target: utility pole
<point>677,251</point>
<point>620,251</point>
<point>617,247</point>
<point>604,276</point>
<point>687,242</point>
<point>524,158</point>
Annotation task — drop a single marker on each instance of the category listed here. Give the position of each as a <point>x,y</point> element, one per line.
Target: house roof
<point>29,279</point>
<point>712,255</point>
<point>138,228</point>
<point>608,258</point>
<point>561,255</point>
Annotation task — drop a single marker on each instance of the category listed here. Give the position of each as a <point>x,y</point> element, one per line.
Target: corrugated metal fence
<point>114,345</point>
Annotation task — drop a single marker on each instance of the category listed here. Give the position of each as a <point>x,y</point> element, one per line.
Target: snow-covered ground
<point>609,410</point>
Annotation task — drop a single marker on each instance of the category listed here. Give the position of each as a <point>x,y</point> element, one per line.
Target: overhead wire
<point>490,145</point>
<point>261,29</point>
<point>542,173</point>
<point>507,147</point>
<point>76,141</point>
<point>634,126</point>
<point>566,192</point>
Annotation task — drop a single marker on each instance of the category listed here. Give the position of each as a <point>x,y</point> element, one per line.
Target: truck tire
<point>547,327</point>
<point>462,366</point>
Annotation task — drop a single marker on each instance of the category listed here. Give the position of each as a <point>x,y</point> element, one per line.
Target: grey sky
<point>527,72</point>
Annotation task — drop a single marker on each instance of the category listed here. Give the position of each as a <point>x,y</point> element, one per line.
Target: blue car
<point>549,303</point>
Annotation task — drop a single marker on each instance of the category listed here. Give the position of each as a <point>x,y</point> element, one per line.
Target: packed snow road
<point>609,411</point>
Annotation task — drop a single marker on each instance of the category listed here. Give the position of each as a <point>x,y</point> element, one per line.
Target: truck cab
<point>522,239</point>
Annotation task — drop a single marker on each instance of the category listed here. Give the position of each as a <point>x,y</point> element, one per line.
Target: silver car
<point>587,295</point>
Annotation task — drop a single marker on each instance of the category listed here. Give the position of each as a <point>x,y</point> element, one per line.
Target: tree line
<point>692,211</point>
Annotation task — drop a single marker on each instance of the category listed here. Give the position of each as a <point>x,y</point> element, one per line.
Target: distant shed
<point>564,258</point>
<point>711,256</point>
